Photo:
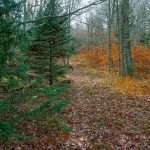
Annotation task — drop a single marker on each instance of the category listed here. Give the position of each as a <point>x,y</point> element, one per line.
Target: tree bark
<point>127,62</point>
<point>109,35</point>
<point>118,39</point>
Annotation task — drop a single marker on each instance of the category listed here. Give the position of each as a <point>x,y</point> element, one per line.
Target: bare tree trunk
<point>25,14</point>
<point>69,25</point>
<point>118,39</point>
<point>91,31</point>
<point>88,35</point>
<point>109,34</point>
<point>127,68</point>
<point>50,64</point>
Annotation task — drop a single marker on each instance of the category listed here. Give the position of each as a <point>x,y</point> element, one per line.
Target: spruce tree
<point>49,37</point>
<point>12,62</point>
<point>12,52</point>
<point>15,91</point>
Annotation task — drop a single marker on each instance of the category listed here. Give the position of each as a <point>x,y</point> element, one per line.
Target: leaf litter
<point>98,118</point>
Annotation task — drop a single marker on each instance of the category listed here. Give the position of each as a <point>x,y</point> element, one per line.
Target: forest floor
<point>99,118</point>
<point>103,119</point>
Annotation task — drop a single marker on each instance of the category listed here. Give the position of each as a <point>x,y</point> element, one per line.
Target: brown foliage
<point>98,57</point>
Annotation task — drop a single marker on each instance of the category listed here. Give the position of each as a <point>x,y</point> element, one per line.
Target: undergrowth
<point>96,59</point>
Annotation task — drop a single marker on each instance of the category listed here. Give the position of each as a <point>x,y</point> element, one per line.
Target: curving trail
<point>101,119</point>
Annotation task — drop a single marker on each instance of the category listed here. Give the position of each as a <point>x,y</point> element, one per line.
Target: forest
<point>74,74</point>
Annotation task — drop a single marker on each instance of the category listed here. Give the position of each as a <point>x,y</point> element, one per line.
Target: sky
<point>82,17</point>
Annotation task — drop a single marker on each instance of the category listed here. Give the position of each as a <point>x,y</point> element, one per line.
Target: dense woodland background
<point>45,44</point>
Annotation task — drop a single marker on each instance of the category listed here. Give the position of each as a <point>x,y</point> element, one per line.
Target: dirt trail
<point>101,119</point>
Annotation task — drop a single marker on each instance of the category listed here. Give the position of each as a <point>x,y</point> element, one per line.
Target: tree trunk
<point>50,64</point>
<point>118,39</point>
<point>109,34</point>
<point>127,62</point>
<point>25,15</point>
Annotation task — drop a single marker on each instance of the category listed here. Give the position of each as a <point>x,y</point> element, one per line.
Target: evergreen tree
<point>12,56</point>
<point>14,87</point>
<point>12,62</point>
<point>50,36</point>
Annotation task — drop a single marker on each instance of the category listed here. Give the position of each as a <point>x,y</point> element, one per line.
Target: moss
<point>130,71</point>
